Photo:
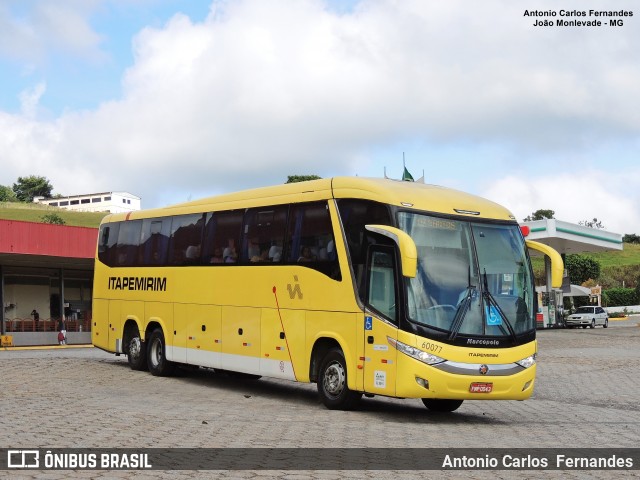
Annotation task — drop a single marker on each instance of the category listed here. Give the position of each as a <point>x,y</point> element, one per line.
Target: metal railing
<point>45,325</point>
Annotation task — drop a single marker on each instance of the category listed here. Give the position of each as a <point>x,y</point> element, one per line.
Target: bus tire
<point>441,405</point>
<point>156,355</point>
<point>137,353</point>
<point>332,382</point>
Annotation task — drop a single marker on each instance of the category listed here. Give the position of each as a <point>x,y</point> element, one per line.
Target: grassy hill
<point>29,212</point>
<point>617,268</point>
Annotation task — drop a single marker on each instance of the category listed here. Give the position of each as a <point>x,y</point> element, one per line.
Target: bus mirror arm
<point>557,265</point>
<point>408,250</point>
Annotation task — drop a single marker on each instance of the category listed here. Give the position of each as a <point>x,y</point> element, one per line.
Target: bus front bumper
<point>498,382</point>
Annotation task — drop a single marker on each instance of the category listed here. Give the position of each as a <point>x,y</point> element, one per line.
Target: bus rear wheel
<point>137,353</point>
<point>440,405</point>
<point>332,382</point>
<point>156,355</point>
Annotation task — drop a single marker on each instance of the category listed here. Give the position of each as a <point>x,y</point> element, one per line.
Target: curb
<point>46,347</point>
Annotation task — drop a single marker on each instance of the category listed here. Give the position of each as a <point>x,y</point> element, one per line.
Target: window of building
<point>96,200</point>
<point>64,203</point>
<point>85,200</point>
<point>106,199</point>
<point>54,204</point>
<point>74,202</point>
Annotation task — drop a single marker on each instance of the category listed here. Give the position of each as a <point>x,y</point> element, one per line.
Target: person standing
<point>62,332</point>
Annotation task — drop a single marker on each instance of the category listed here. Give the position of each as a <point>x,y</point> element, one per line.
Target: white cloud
<point>575,197</point>
<point>261,90</point>
<point>29,99</point>
<point>34,29</point>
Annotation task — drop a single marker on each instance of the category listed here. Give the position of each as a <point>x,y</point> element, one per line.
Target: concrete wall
<point>30,339</point>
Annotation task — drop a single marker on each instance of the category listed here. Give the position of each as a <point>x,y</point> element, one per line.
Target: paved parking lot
<point>587,395</point>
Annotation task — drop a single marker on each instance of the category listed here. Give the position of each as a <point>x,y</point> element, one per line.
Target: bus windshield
<point>473,279</point>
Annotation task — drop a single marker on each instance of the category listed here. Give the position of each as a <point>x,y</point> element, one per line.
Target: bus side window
<point>186,239</point>
<point>381,291</point>
<point>128,243</point>
<point>264,229</point>
<point>154,241</point>
<point>108,242</point>
<point>222,237</point>
<point>355,214</point>
<point>310,241</point>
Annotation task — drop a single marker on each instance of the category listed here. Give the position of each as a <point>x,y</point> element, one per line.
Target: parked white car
<point>588,317</point>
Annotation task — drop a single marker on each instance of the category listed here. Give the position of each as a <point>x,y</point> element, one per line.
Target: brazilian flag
<point>406,176</point>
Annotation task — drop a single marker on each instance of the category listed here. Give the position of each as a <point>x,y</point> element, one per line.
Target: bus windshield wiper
<point>463,308</point>
<point>492,302</point>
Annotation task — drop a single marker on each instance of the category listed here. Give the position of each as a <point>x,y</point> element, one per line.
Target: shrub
<point>619,297</point>
<point>53,218</point>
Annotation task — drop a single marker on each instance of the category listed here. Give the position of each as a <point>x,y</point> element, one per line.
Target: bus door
<point>380,322</point>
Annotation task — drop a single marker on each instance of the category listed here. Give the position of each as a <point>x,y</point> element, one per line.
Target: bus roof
<point>411,195</point>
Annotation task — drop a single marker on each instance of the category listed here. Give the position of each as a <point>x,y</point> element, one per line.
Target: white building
<point>114,202</point>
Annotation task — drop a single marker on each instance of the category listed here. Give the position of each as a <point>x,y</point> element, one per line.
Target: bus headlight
<point>416,353</point>
<point>527,362</point>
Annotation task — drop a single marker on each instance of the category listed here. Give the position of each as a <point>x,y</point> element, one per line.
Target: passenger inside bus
<point>229,254</point>
<point>306,255</point>
<point>217,256</point>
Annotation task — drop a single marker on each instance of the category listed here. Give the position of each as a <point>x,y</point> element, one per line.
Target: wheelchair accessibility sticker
<point>493,317</point>
<point>368,323</point>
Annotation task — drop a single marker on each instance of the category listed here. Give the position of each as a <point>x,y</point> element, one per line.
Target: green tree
<point>53,218</point>
<point>540,214</point>
<point>7,195</point>
<point>581,268</point>
<point>301,178</point>
<point>26,188</point>
<point>631,238</point>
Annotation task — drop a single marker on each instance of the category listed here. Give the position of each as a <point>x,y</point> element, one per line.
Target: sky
<point>176,100</point>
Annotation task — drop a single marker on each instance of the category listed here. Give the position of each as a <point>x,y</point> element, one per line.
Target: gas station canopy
<point>567,237</point>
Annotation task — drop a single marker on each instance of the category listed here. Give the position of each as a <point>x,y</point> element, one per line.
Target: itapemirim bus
<point>364,286</point>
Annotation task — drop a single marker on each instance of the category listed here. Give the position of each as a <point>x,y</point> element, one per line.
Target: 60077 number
<point>431,347</point>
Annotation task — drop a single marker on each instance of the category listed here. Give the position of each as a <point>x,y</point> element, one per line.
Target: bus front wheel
<point>440,405</point>
<point>332,382</point>
<point>156,355</point>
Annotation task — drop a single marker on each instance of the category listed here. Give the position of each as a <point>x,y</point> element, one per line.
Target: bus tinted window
<point>186,239</point>
<point>128,242</point>
<point>154,241</point>
<point>107,243</point>
<point>355,214</point>
<point>263,238</point>
<point>310,239</point>
<point>222,237</point>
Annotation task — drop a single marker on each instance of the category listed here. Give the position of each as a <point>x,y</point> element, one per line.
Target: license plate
<point>481,387</point>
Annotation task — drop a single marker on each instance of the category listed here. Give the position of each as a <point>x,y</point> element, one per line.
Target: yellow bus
<point>363,286</point>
